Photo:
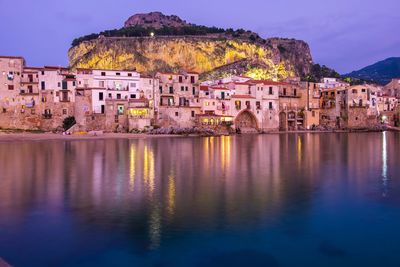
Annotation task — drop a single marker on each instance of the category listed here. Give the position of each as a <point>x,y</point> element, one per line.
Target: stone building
<point>392,88</point>
<point>179,101</point>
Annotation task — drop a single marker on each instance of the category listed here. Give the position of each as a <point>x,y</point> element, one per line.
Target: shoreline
<point>28,136</point>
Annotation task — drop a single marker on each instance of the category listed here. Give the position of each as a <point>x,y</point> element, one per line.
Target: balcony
<point>298,95</point>
<point>29,81</point>
<point>126,88</point>
<point>47,116</point>
<point>27,92</point>
<point>65,99</point>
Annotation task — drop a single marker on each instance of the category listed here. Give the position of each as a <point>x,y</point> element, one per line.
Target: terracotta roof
<point>13,57</point>
<point>242,96</point>
<point>204,88</point>
<point>243,83</point>
<point>219,88</point>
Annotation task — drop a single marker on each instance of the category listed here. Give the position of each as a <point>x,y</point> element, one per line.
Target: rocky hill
<point>381,72</point>
<point>155,42</point>
<point>156,20</point>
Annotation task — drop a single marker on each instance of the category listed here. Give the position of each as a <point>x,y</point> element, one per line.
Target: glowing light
<point>152,34</point>
<point>138,111</point>
<point>171,194</point>
<point>132,158</point>
<point>299,144</point>
<point>384,165</point>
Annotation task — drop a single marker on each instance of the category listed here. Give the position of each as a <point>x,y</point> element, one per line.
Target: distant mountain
<point>381,72</point>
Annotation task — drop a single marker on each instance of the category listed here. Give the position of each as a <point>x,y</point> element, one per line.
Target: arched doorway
<point>282,121</point>
<point>247,122</point>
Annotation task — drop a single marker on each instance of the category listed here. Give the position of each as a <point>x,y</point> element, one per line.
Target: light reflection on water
<point>272,200</point>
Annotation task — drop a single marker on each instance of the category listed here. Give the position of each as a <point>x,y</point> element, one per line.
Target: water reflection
<point>154,192</point>
<point>384,165</point>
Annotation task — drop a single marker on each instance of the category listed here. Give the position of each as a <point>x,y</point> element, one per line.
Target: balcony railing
<point>298,95</point>
<point>65,99</point>
<point>47,116</point>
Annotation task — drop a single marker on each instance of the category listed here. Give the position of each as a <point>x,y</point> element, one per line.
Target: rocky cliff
<point>155,20</point>
<point>214,52</point>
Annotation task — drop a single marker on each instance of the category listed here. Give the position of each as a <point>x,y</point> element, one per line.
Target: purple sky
<point>343,34</point>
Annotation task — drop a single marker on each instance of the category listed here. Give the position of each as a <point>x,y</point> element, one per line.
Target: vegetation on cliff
<point>187,30</point>
<point>318,72</point>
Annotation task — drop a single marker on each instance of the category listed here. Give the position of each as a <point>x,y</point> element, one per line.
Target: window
<point>129,74</point>
<point>270,90</point>
<point>101,84</point>
<point>43,85</point>
<point>120,109</point>
<point>133,85</point>
<point>118,96</point>
<point>180,79</point>
<point>176,114</point>
<point>192,79</point>
<point>354,91</point>
<point>103,73</point>
<point>110,95</point>
<point>73,83</point>
<point>258,104</point>
<point>284,91</point>
<point>193,113</point>
<point>295,92</point>
<point>238,104</point>
<point>64,85</point>
<point>182,88</point>
<point>101,96</point>
<point>313,113</point>
<point>270,105</point>
<point>171,90</point>
<point>160,89</point>
<point>42,72</point>
<point>247,104</point>
<point>363,90</point>
<point>118,74</point>
<point>133,96</point>
<point>64,111</point>
<point>10,87</point>
<point>59,84</point>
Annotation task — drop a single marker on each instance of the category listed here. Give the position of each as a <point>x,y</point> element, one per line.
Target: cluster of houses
<point>123,100</point>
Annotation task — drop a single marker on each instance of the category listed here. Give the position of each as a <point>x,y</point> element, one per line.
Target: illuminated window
<point>120,109</point>
<point>238,104</point>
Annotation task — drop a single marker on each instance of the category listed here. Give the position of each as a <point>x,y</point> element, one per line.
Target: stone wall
<point>358,118</point>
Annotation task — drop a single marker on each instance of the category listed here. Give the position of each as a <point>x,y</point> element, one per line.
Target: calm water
<point>258,200</point>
